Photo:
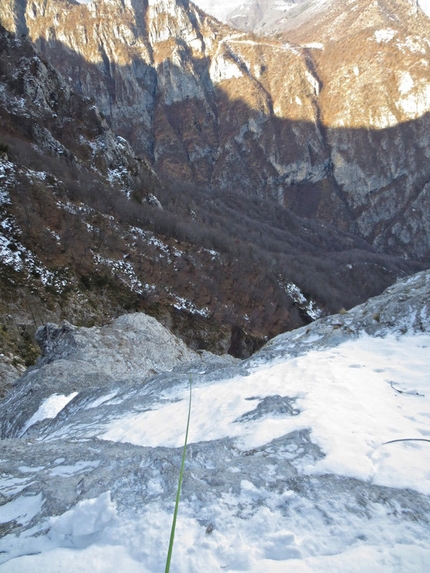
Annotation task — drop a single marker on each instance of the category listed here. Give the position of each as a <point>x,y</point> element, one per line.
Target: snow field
<point>354,398</point>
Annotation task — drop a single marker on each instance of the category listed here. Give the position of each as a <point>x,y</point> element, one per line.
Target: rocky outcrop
<point>43,107</point>
<point>402,308</point>
<point>93,361</point>
<point>134,347</point>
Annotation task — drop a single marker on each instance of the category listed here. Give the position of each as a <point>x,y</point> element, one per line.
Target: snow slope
<point>311,456</point>
<point>257,15</point>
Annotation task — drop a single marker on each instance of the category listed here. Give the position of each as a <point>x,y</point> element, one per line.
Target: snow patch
<point>78,525</point>
<point>384,35</point>
<point>309,306</point>
<point>224,68</point>
<point>189,306</point>
<point>124,271</point>
<point>7,178</point>
<point>412,44</point>
<point>313,82</point>
<point>118,175</point>
<point>49,409</point>
<point>10,486</point>
<point>22,509</point>
<point>330,389</point>
<point>314,46</point>
<point>406,83</point>
<point>417,102</point>
<point>79,467</point>
<point>99,401</point>
<point>425,6</point>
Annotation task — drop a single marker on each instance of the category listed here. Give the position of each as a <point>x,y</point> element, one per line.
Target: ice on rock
<point>313,455</point>
<point>49,408</point>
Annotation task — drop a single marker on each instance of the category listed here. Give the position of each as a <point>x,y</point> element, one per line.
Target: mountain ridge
<point>272,16</point>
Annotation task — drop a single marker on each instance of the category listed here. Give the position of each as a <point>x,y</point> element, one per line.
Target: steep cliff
<point>186,90</point>
<point>87,232</point>
<point>334,126</point>
<point>373,62</point>
<point>60,169</point>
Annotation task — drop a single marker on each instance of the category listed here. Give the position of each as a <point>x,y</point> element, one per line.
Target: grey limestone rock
<point>132,348</point>
<point>403,307</point>
<point>134,365</point>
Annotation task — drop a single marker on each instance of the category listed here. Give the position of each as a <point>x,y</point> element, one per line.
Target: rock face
<point>40,105</point>
<point>133,347</point>
<point>53,144</point>
<point>87,232</point>
<point>85,458</point>
<point>400,309</point>
<point>305,122</point>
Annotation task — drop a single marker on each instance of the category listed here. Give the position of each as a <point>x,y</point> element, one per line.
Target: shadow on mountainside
<point>232,255</point>
<point>368,182</point>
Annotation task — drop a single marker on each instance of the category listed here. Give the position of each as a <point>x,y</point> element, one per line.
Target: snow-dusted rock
<point>132,343</point>
<point>403,308</point>
<point>312,455</point>
<point>132,348</point>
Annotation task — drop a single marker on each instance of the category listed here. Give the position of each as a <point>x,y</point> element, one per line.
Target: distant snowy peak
<point>425,6</point>
<point>275,15</point>
<point>262,13</point>
<point>219,9</point>
<point>258,15</point>
<point>248,14</point>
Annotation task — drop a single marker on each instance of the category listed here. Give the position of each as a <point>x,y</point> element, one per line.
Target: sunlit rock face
<point>330,119</point>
